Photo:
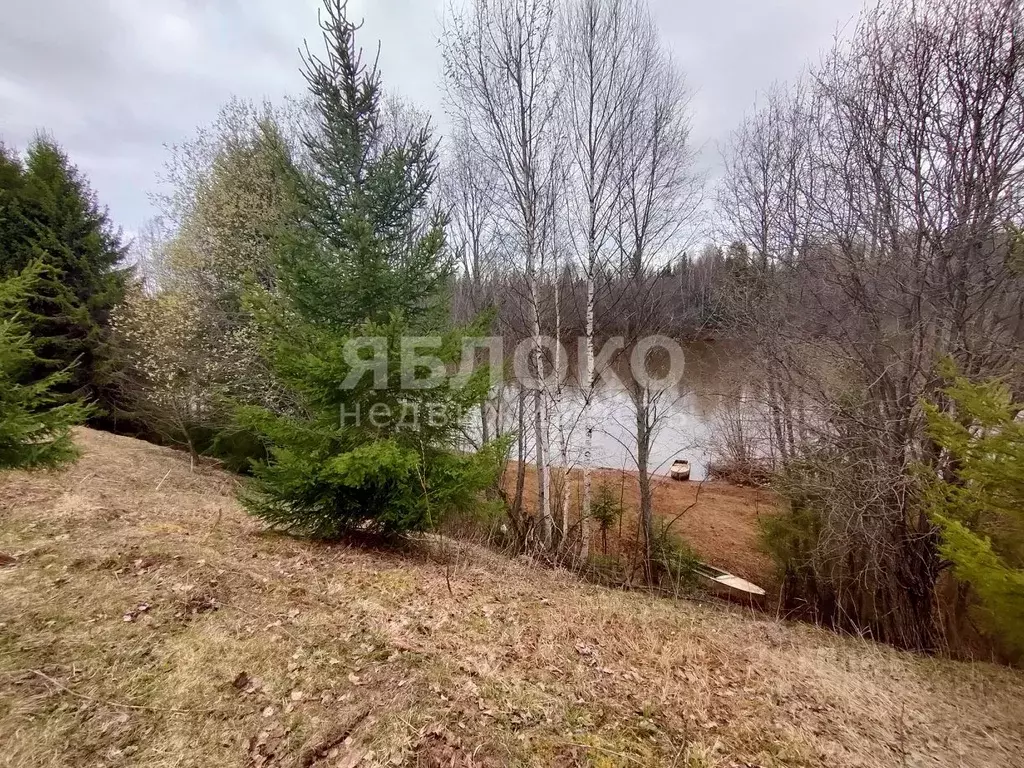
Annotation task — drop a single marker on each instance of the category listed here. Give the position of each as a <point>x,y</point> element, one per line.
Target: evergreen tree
<point>15,230</point>
<point>367,202</point>
<point>49,214</point>
<point>35,430</point>
<point>978,501</point>
<point>367,258</point>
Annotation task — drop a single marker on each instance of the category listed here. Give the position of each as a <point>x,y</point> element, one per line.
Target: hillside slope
<point>146,620</point>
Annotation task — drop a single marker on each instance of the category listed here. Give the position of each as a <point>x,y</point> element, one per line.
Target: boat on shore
<point>729,585</point>
<point>680,470</point>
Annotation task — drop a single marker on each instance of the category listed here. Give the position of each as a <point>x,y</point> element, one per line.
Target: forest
<point>862,252</point>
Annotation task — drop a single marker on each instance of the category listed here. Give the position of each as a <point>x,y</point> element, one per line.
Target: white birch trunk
<point>560,416</point>
<point>540,424</point>
<point>588,413</point>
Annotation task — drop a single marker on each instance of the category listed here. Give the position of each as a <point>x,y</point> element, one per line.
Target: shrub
<point>606,511</point>
<point>675,563</point>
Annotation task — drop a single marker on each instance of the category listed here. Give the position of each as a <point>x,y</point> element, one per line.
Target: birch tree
<point>603,42</point>
<point>500,76</point>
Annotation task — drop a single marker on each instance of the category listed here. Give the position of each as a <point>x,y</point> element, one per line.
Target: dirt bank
<point>720,521</point>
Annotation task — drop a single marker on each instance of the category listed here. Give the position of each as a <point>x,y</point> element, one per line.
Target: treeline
<point>691,296</point>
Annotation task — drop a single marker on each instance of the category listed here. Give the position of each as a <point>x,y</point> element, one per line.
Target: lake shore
<point>718,520</point>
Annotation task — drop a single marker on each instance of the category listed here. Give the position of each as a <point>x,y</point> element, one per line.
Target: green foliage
<point>977,501</point>
<point>674,560</point>
<point>606,511</point>
<point>190,349</point>
<point>35,429</point>
<point>370,244</point>
<point>48,214</point>
<point>365,259</point>
<point>791,536</point>
<point>381,459</point>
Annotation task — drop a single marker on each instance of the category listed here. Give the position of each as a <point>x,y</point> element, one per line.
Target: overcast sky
<point>115,81</point>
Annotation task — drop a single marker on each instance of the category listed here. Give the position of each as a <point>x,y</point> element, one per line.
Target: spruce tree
<point>367,200</point>
<point>15,229</point>
<point>977,502</point>
<point>35,429</point>
<point>367,258</point>
<point>49,214</point>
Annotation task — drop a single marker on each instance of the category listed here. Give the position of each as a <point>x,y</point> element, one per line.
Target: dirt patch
<point>456,655</point>
<point>718,520</point>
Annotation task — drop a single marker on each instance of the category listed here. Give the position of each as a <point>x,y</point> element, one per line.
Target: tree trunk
<point>563,533</point>
<point>643,451</point>
<point>588,413</point>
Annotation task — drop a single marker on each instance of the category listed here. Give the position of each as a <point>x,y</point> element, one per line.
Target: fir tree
<point>49,214</point>
<point>380,246</point>
<point>367,258</point>
<point>35,430</point>
<point>15,230</point>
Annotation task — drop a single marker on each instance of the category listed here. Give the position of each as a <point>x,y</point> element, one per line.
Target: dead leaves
<point>133,613</point>
<point>438,747</point>
<point>342,735</point>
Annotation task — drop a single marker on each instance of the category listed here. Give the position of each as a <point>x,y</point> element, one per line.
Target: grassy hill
<point>145,620</point>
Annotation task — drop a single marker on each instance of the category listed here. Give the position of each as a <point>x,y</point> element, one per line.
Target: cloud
<point>115,81</point>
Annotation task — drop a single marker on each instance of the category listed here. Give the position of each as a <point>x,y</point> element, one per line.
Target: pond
<point>713,380</point>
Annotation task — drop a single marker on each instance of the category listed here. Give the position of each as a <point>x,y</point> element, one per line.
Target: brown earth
<point>718,520</point>
<point>146,620</point>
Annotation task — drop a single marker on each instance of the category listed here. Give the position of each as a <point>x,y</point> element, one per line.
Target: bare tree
<point>602,45</point>
<point>500,76</point>
<point>657,195</point>
<point>902,164</point>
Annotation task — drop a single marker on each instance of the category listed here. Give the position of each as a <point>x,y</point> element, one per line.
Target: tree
<point>367,201</point>
<point>365,259</point>
<point>874,200</point>
<point>500,76</point>
<point>50,214</point>
<point>35,426</point>
<point>657,195</point>
<point>600,53</point>
<point>977,498</point>
<point>187,344</point>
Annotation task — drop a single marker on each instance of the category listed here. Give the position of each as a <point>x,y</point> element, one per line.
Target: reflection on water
<point>713,377</point>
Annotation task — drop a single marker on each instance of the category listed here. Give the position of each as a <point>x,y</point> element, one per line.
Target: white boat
<point>680,470</point>
<point>729,584</point>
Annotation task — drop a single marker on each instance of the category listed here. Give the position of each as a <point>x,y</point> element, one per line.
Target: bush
<point>675,563</point>
<point>606,511</point>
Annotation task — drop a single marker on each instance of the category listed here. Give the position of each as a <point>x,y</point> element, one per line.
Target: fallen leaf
<point>352,759</point>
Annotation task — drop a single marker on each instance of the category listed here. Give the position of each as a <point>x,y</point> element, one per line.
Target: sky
<point>117,81</point>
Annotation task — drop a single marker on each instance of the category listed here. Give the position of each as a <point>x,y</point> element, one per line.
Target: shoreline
<point>719,520</point>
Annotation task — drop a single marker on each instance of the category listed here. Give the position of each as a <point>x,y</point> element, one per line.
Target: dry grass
<point>147,621</point>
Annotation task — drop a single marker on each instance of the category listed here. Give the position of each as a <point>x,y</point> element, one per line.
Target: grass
<point>146,620</point>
